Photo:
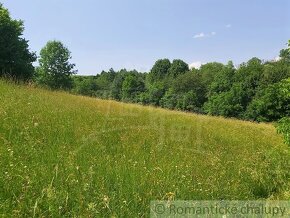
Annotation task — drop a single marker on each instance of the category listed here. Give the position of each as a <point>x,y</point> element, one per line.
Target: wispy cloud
<point>200,35</point>
<point>228,25</point>
<point>204,35</point>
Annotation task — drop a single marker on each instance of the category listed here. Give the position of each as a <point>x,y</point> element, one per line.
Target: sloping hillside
<point>62,154</point>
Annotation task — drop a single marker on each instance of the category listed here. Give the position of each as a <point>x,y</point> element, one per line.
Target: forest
<point>256,90</point>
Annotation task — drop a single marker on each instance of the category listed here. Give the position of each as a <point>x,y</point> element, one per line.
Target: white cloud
<point>203,35</point>
<point>200,35</point>
<point>196,65</point>
<point>277,58</point>
<point>228,25</point>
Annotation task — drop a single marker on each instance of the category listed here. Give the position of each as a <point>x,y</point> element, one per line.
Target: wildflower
<point>106,199</point>
<point>170,196</point>
<point>91,206</point>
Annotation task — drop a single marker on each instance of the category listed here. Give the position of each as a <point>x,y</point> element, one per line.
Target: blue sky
<point>135,33</point>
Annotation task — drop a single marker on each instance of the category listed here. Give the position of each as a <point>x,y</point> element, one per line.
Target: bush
<point>283,127</point>
<point>272,103</point>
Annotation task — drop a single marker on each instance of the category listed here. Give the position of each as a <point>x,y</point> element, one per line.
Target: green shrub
<point>284,128</point>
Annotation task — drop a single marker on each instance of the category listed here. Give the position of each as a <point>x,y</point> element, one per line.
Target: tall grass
<point>65,155</point>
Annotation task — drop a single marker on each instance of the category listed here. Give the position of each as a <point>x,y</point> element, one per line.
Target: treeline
<point>256,90</point>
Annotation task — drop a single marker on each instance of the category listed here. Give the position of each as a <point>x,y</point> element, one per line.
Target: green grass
<point>66,155</point>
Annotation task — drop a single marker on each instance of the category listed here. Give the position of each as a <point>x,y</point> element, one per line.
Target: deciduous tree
<point>15,58</point>
<point>55,69</point>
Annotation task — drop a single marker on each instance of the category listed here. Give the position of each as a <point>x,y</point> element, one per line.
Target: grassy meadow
<point>65,155</point>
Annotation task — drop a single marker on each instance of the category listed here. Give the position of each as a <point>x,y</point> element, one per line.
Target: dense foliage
<point>284,128</point>
<point>256,90</point>
<point>15,58</point>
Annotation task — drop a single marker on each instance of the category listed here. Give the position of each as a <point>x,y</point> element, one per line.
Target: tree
<point>15,58</point>
<point>154,94</point>
<point>223,79</point>
<point>272,103</point>
<point>178,67</point>
<point>169,100</point>
<point>132,86</point>
<point>189,102</point>
<point>104,82</point>
<point>285,53</point>
<point>116,87</point>
<point>284,124</point>
<point>250,74</point>
<point>190,84</point>
<point>209,71</point>
<point>228,104</point>
<point>85,85</point>
<point>55,70</point>
<point>159,71</point>
<point>275,72</point>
